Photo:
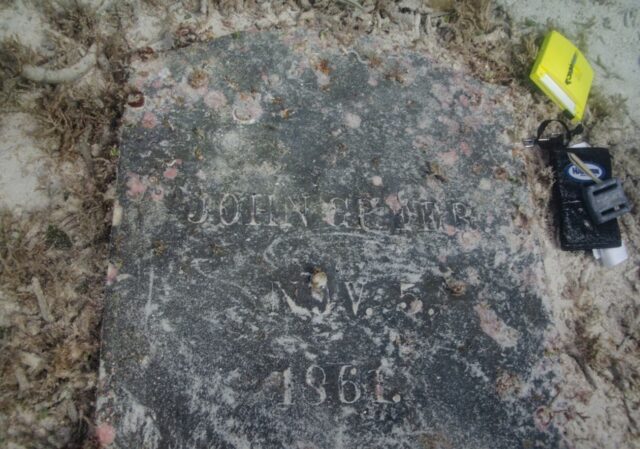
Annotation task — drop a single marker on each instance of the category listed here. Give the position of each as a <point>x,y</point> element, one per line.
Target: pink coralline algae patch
<point>466,149</point>
<point>376,181</point>
<point>449,157</point>
<point>164,74</point>
<point>442,94</point>
<point>149,120</point>
<point>423,142</point>
<point>494,327</point>
<point>453,127</point>
<point>196,93</point>
<point>188,93</point>
<point>112,274</point>
<point>105,434</point>
<point>352,120</point>
<point>323,79</point>
<point>450,230</point>
<point>471,100</point>
<point>272,80</point>
<point>171,173</point>
<point>215,99</point>
<point>530,277</point>
<point>139,82</point>
<point>394,203</point>
<point>247,108</point>
<point>409,72</point>
<point>135,186</point>
<point>297,69</point>
<point>477,122</point>
<point>469,240</point>
<point>542,417</point>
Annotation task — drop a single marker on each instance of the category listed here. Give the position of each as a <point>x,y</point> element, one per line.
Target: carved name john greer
<point>389,213</point>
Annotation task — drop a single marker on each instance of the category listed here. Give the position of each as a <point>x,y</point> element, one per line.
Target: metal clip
<point>531,142</point>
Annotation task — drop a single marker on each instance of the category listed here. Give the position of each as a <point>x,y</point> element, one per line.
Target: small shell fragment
<point>319,280</point>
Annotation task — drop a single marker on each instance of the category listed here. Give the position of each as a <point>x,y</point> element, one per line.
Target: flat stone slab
<point>319,248</point>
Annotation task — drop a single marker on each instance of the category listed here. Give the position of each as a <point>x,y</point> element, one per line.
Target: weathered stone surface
<point>317,249</point>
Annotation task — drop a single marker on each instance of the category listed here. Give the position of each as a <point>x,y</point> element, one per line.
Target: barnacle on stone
<point>456,288</point>
<point>198,78</point>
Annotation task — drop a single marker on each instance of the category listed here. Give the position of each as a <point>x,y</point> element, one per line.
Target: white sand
<point>612,32</point>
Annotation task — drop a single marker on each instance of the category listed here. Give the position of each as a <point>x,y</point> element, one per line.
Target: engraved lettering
<point>367,214</point>
<point>295,308</point>
<point>462,214</point>
<point>255,210</point>
<point>344,210</point>
<point>287,384</point>
<point>272,222</point>
<point>355,296</point>
<point>408,214</point>
<point>362,212</point>
<point>224,209</point>
<point>344,385</point>
<point>317,383</point>
<point>194,218</point>
<point>298,209</point>
<point>349,389</point>
<point>431,218</point>
<point>378,387</point>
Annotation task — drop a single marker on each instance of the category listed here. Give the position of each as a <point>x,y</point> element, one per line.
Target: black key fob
<point>578,230</point>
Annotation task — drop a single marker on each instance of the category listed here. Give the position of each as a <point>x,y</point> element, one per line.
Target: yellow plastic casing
<point>563,74</point>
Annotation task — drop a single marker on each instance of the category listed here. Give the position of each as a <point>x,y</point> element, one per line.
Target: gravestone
<point>319,247</point>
